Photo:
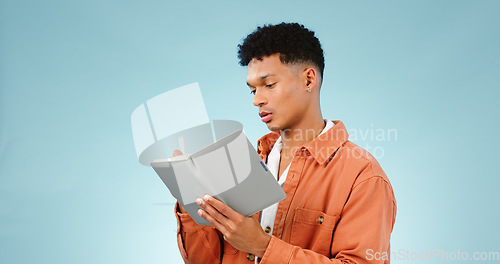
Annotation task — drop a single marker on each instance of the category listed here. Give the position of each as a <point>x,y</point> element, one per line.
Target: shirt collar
<point>321,148</point>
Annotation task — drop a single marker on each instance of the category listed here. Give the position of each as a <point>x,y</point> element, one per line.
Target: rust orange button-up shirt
<point>339,208</point>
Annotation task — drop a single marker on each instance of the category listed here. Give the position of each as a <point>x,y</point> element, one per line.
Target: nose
<point>259,99</point>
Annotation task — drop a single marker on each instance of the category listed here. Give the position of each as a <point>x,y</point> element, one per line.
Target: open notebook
<point>229,170</point>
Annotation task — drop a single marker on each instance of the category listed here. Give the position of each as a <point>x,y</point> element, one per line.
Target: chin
<point>273,127</point>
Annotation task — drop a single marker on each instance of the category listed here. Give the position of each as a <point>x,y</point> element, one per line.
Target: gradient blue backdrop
<point>71,72</point>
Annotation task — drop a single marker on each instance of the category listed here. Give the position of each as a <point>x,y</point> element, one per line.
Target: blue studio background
<point>415,82</point>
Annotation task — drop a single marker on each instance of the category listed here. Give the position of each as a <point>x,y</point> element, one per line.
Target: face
<point>280,92</point>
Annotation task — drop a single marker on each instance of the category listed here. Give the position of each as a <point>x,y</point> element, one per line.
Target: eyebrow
<point>262,78</point>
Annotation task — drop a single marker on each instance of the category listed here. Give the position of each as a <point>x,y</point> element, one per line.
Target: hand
<point>181,209</point>
<point>244,233</point>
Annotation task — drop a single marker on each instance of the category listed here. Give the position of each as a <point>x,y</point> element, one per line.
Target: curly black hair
<point>294,43</point>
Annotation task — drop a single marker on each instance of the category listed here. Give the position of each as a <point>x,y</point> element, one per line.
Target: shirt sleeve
<point>362,234</point>
<point>197,243</point>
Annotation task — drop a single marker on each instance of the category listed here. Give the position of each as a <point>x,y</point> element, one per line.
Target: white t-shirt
<point>268,215</point>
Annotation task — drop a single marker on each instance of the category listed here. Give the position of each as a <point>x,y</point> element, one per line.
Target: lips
<point>263,113</point>
<point>265,116</point>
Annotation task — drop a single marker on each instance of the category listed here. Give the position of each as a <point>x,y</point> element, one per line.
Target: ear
<point>310,77</point>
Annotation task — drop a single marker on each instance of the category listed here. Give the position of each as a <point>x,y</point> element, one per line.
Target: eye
<point>270,85</point>
<point>252,92</point>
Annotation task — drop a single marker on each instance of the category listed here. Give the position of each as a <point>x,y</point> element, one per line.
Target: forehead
<point>267,66</point>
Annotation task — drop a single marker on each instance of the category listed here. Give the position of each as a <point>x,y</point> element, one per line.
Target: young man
<point>339,208</point>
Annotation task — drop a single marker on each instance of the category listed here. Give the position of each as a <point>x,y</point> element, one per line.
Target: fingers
<point>214,213</point>
<point>177,153</point>
<point>213,216</point>
<point>221,207</point>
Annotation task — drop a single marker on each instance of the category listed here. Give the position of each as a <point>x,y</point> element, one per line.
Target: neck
<point>294,138</point>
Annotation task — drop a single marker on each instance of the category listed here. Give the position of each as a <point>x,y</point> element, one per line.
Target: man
<point>339,208</point>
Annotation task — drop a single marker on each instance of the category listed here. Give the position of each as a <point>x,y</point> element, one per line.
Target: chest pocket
<point>313,230</point>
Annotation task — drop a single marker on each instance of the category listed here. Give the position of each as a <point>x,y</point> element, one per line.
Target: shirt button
<point>250,257</point>
<point>268,230</point>
<point>320,219</point>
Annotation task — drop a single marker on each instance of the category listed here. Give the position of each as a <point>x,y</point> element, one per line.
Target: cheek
<point>288,99</point>
<point>291,105</point>
<point>286,102</point>
<point>294,99</point>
